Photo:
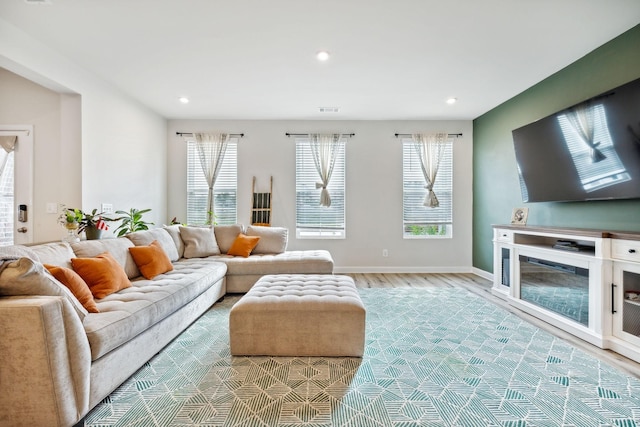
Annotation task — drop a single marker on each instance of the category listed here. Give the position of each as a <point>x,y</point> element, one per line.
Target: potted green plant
<point>131,221</point>
<point>93,224</point>
<point>76,221</point>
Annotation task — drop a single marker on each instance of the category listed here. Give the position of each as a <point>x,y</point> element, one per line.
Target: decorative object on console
<point>519,216</point>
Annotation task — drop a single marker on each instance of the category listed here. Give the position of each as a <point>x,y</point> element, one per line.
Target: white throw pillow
<point>199,242</point>
<point>273,240</point>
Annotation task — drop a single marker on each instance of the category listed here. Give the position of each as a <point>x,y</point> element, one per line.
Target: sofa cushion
<point>290,262</point>
<point>17,251</point>
<point>102,273</point>
<point>273,240</point>
<point>199,242</point>
<point>125,314</point>
<point>55,253</point>
<point>226,235</point>
<point>243,245</point>
<point>174,232</point>
<point>162,236</point>
<point>118,248</point>
<point>25,276</point>
<point>76,285</point>
<point>151,259</point>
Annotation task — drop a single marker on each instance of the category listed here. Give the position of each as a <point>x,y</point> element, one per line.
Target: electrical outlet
<point>52,208</point>
<point>106,208</point>
<point>385,253</point>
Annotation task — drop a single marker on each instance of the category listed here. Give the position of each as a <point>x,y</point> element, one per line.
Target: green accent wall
<point>496,189</point>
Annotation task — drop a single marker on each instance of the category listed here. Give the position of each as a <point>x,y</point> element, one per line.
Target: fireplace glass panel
<point>560,288</point>
<point>506,261</point>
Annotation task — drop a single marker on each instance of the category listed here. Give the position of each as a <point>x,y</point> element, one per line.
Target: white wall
<point>374,189</point>
<point>32,104</point>
<point>103,148</point>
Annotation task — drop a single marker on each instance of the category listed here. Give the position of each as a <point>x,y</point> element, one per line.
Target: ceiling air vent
<point>37,1</point>
<point>328,109</point>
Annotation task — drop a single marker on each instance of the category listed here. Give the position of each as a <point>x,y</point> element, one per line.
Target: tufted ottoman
<point>299,315</point>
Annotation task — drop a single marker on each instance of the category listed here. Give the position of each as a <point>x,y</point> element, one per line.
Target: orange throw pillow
<point>76,285</point>
<point>102,273</point>
<point>243,245</point>
<point>151,260</point>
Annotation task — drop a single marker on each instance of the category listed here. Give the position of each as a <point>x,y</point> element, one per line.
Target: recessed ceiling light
<point>452,100</point>
<point>323,55</point>
<point>183,99</point>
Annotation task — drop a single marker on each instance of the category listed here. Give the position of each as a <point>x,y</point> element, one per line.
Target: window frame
<point>413,195</point>
<point>305,187</point>
<point>227,180</point>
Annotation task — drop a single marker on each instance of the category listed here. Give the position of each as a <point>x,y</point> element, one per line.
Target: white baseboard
<point>400,270</point>
<point>482,273</point>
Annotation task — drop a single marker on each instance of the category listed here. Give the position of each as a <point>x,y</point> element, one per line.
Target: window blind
<point>225,188</point>
<point>419,220</point>
<point>313,220</point>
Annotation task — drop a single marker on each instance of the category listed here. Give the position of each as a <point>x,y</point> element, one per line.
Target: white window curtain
<point>211,148</point>
<point>582,119</point>
<point>430,149</point>
<point>324,149</point>
<point>8,143</point>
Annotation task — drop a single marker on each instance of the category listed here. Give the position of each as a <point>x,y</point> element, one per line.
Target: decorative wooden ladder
<point>261,205</point>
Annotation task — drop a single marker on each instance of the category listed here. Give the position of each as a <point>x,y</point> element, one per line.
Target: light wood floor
<point>482,287</point>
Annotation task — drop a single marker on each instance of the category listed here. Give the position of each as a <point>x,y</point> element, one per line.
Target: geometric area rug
<point>433,357</point>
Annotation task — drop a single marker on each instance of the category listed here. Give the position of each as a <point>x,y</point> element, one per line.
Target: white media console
<point>586,282</point>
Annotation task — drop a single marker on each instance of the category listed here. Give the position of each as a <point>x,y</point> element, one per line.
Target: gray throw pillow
<point>25,276</point>
<point>144,238</point>
<point>273,240</point>
<point>174,232</point>
<point>199,242</point>
<point>226,235</point>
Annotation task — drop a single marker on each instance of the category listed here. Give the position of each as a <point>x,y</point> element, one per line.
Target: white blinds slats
<point>313,220</point>
<point>414,213</point>
<point>225,188</point>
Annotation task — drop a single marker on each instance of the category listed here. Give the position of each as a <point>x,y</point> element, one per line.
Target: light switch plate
<point>52,207</point>
<point>106,208</point>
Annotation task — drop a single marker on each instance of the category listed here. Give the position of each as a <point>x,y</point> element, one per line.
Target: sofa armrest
<point>46,362</point>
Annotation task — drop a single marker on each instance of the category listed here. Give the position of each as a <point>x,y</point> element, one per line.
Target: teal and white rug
<point>434,357</point>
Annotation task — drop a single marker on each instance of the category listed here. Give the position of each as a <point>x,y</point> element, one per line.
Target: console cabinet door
<point>626,302</point>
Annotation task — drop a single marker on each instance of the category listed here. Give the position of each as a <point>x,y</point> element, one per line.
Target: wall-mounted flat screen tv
<point>590,151</point>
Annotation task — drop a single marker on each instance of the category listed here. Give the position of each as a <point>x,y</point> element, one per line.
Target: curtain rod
<point>307,134</point>
<point>456,135</point>
<point>27,131</point>
<point>237,135</point>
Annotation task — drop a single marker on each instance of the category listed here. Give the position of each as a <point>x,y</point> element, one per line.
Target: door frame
<point>23,189</point>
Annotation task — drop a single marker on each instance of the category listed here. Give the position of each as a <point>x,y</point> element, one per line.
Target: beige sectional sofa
<point>58,360</point>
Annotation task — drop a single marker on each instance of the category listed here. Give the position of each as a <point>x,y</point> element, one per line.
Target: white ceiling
<point>255,59</point>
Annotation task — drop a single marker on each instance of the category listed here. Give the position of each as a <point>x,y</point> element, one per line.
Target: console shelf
<point>576,279</point>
